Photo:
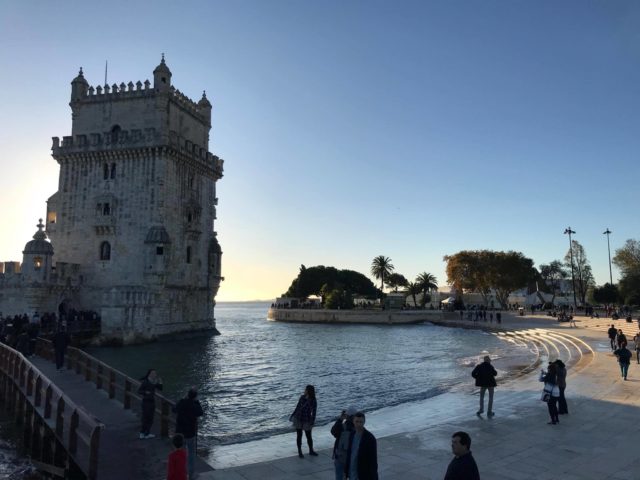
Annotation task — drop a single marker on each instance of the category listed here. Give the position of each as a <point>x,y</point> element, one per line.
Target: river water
<point>250,377</point>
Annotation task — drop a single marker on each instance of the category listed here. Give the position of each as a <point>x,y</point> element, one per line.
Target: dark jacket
<point>462,468</point>
<point>485,375</point>
<point>60,341</point>
<point>561,377</point>
<point>612,332</point>
<point>338,428</point>
<point>305,410</point>
<point>624,355</point>
<point>187,412</point>
<point>367,456</point>
<point>148,390</point>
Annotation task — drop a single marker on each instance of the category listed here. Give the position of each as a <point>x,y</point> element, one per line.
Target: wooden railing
<point>54,427</point>
<point>118,386</point>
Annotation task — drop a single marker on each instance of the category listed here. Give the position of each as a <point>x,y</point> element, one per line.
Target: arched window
<point>113,171</point>
<point>37,263</point>
<point>105,170</point>
<point>106,209</point>
<point>188,254</point>
<point>115,134</point>
<point>105,251</point>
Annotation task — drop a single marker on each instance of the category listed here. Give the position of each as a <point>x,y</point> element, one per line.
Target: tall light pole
<point>608,232</point>
<point>568,231</point>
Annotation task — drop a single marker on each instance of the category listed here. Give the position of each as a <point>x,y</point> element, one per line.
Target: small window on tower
<point>105,251</point>
<point>51,217</point>
<point>188,254</point>
<point>105,170</point>
<point>159,250</point>
<point>189,217</point>
<point>113,171</point>
<point>37,263</point>
<point>164,80</point>
<point>106,209</point>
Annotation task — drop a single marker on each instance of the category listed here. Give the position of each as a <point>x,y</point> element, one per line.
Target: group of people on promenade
<point>618,343</point>
<point>355,450</point>
<point>483,314</point>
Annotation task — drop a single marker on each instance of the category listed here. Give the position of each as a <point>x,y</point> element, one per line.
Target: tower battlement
<point>136,138</point>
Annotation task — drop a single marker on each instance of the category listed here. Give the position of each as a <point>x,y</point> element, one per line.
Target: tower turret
<point>79,87</point>
<point>204,107</point>
<point>37,256</point>
<point>162,77</point>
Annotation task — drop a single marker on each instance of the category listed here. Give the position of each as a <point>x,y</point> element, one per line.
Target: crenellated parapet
<point>135,138</point>
<point>128,91</point>
<point>104,140</point>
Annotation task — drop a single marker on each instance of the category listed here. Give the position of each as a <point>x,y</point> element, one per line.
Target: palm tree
<point>381,267</point>
<point>427,282</point>
<point>413,288</point>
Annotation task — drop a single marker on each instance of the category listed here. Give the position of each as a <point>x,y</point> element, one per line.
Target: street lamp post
<point>608,232</point>
<point>568,231</point>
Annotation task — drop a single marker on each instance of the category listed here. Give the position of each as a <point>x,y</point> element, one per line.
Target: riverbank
<point>517,444</point>
<point>370,317</point>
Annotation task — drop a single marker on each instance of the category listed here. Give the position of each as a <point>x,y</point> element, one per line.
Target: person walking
<point>187,411</point>
<point>147,390</point>
<point>303,418</point>
<point>551,391</point>
<point>621,338</point>
<point>612,332</point>
<point>636,341</point>
<point>463,466</point>
<point>341,431</point>
<point>362,453</point>
<point>562,386</point>
<point>485,376</point>
<point>624,359</point>
<point>60,344</point>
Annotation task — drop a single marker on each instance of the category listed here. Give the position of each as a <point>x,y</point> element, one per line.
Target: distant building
<point>131,227</point>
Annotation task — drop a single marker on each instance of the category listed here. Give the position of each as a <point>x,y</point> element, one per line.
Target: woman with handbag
<point>303,418</point>
<point>551,392</point>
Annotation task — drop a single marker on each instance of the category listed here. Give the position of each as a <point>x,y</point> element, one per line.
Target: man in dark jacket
<point>485,376</point>
<point>612,332</point>
<point>187,412</point>
<point>463,466</point>
<point>341,431</point>
<point>362,455</point>
<point>60,344</point>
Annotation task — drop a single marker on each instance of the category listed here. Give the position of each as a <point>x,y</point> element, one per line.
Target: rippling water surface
<point>251,376</point>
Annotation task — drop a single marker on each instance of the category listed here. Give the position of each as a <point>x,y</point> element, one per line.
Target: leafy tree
<point>413,288</point>
<point>627,258</point>
<point>467,270</point>
<point>582,270</point>
<point>605,294</point>
<point>381,267</point>
<point>427,282</point>
<point>629,287</point>
<point>338,299</point>
<point>483,270</point>
<point>321,280</point>
<point>395,281</point>
<point>509,271</point>
<point>552,275</point>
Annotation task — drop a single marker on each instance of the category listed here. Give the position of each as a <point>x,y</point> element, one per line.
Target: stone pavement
<point>594,442</point>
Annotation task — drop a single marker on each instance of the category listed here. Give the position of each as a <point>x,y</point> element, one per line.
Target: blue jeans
<point>191,456</point>
<point>624,367</point>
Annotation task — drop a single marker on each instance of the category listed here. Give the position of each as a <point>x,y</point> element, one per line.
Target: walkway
<point>594,442</point>
<point>122,454</point>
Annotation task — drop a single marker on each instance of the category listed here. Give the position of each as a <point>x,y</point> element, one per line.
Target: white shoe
<point>151,435</point>
<point>142,436</point>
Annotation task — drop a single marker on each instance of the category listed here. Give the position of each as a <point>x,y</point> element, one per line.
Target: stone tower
<point>136,205</point>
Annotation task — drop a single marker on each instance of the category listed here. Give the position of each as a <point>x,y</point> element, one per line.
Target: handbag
<point>546,392</point>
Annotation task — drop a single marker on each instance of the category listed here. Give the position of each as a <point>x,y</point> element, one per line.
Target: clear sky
<point>352,129</point>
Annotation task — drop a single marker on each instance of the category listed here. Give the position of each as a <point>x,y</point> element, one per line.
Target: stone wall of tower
<point>136,176</point>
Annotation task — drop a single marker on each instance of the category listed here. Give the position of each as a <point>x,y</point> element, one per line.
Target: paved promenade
<point>595,441</point>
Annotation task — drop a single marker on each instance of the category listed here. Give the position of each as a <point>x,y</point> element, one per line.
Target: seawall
<point>382,317</point>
